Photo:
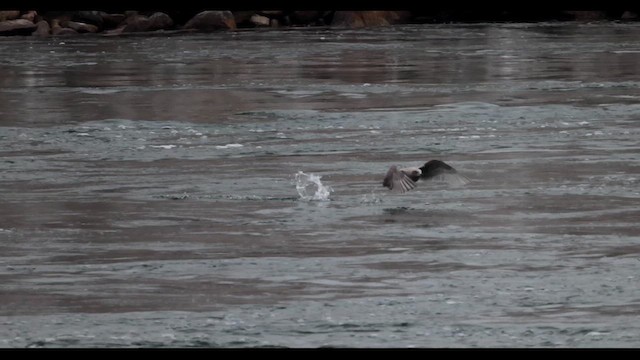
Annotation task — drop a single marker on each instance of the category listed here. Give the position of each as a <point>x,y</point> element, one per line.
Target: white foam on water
<point>372,198</point>
<point>310,188</point>
<point>166,147</point>
<point>229,146</point>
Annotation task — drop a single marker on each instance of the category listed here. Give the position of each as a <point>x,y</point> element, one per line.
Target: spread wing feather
<point>436,170</point>
<point>398,181</point>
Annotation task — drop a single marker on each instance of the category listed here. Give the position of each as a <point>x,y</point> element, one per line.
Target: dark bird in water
<point>404,179</point>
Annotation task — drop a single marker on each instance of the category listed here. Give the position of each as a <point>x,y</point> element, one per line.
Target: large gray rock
<point>259,20</point>
<point>16,27</point>
<point>160,21</point>
<point>61,16</point>
<point>157,21</point>
<point>59,30</point>
<point>358,19</point>
<point>115,32</point>
<point>89,17</point>
<point>42,29</point>
<point>211,21</point>
<point>136,23</point>
<point>63,31</point>
<point>30,15</point>
<point>81,27</point>
<point>9,15</point>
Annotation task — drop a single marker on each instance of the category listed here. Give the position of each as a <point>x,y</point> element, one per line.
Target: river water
<point>153,188</point>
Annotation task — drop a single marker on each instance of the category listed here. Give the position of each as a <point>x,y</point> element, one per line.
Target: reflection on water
<point>158,191</point>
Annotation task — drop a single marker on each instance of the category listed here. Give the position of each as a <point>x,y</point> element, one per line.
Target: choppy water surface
<point>152,192</point>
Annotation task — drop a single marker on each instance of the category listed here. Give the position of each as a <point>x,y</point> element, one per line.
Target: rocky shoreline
<point>65,23</point>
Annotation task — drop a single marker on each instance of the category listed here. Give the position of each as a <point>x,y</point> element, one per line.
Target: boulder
<point>42,29</point>
<point>115,32</point>
<point>136,23</point>
<point>59,30</point>
<point>81,27</point>
<point>259,20</point>
<point>89,17</point>
<point>30,15</point>
<point>17,27</point>
<point>281,17</point>
<point>9,15</point>
<point>212,20</point>
<point>160,21</point>
<point>358,19</point>
<point>157,21</point>
<point>60,16</point>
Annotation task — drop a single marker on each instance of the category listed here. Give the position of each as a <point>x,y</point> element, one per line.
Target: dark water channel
<point>148,194</point>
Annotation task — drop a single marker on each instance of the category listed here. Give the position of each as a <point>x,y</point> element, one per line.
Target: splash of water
<point>310,187</point>
<point>372,198</point>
